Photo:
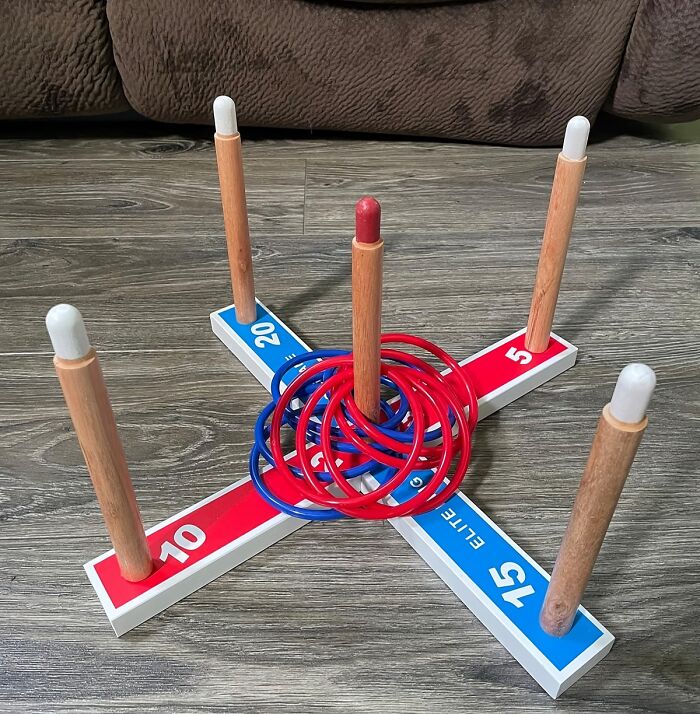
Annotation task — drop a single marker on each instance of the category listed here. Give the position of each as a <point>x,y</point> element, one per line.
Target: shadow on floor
<point>132,125</point>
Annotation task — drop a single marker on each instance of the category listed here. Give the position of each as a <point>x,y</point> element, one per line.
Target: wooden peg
<point>367,261</point>
<point>615,444</point>
<point>84,389</point>
<point>229,160</point>
<point>568,176</point>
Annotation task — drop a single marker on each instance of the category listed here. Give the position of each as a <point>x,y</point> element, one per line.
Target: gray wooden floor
<point>126,224</point>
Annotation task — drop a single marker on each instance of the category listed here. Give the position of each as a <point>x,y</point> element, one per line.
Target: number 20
<point>504,580</point>
<point>266,334</point>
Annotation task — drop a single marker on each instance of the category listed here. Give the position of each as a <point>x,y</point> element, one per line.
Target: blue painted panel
<point>269,339</point>
<point>499,570</point>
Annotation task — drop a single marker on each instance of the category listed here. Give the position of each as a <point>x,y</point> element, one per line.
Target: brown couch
<point>502,71</point>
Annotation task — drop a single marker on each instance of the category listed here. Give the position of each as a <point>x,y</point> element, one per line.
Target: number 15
<point>504,580</point>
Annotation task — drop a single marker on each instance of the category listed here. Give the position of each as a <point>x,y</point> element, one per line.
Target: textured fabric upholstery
<point>660,74</point>
<point>501,71</point>
<point>56,59</point>
<point>506,71</point>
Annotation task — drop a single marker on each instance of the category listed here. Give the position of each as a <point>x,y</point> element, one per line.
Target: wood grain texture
<point>339,617</point>
<point>87,401</point>
<point>367,271</point>
<point>566,186</point>
<point>229,160</point>
<point>142,199</point>
<point>612,452</point>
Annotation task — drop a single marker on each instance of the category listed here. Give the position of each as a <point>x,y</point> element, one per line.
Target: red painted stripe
<point>495,368</point>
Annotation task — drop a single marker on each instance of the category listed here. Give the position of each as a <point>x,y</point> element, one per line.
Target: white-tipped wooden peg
<point>619,433</point>
<point>568,176</point>
<point>83,385</point>
<point>229,160</point>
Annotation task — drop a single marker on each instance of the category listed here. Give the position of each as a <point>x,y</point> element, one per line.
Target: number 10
<point>196,537</point>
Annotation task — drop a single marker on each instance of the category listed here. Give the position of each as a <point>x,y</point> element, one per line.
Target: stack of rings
<point>319,407</point>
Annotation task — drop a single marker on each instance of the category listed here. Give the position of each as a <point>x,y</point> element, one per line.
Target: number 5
<point>520,356</point>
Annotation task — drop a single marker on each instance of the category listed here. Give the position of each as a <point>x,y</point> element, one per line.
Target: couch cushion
<point>507,71</point>
<point>660,75</point>
<point>56,59</point>
<point>392,2</point>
